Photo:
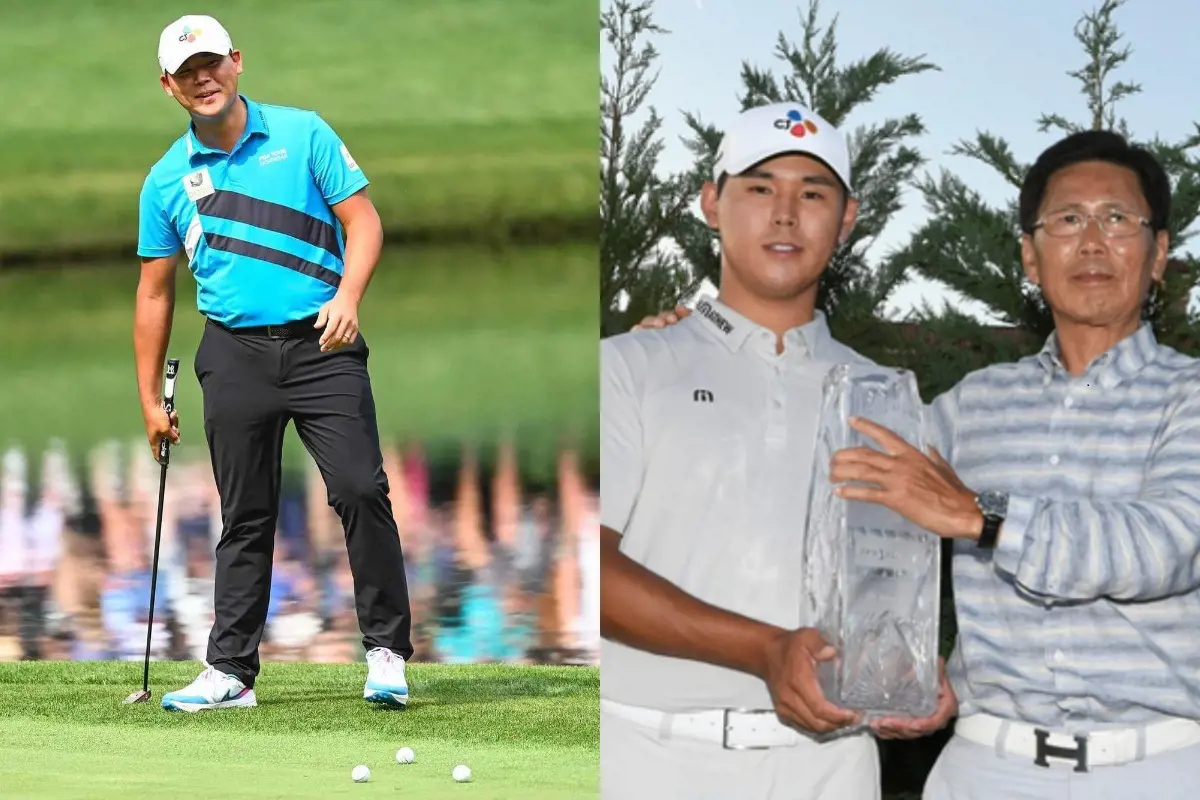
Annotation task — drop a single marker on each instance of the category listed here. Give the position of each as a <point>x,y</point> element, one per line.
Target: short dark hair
<point>1097,146</point>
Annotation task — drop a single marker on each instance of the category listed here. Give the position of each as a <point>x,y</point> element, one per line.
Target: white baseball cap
<point>188,35</point>
<point>771,130</point>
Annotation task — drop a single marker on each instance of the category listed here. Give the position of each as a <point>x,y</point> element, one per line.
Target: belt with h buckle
<point>1099,748</point>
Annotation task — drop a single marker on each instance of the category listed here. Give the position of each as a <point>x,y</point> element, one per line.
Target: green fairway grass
<point>464,343</point>
<point>525,732</point>
<point>464,113</point>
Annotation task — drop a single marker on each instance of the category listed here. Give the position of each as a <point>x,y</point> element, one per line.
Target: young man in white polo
<point>707,431</point>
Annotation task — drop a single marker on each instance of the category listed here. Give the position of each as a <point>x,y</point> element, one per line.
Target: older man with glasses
<point>1077,547</point>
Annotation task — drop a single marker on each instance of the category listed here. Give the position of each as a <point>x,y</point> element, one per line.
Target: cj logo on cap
<point>796,124</point>
<point>190,35</point>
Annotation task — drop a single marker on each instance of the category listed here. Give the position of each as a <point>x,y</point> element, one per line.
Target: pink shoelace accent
<point>212,675</point>
<point>386,656</point>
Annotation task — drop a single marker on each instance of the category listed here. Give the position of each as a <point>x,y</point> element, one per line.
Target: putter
<point>164,456</point>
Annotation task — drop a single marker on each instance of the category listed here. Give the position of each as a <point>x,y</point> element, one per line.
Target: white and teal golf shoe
<point>385,679</point>
<point>213,689</point>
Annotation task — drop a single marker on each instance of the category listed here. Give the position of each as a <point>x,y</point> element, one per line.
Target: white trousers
<point>969,771</point>
<point>637,763</point>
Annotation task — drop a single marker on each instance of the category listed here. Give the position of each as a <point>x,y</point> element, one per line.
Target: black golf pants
<point>253,384</point>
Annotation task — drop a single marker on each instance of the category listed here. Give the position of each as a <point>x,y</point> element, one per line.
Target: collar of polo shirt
<point>735,330</point>
<point>1119,364</point>
<point>256,125</point>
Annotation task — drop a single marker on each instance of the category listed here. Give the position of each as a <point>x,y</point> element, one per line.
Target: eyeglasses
<point>1113,224</point>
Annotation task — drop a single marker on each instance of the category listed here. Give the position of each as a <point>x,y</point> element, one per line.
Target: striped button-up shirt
<point>1087,614</point>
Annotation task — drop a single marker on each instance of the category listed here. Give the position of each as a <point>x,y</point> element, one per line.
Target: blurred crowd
<point>501,567</point>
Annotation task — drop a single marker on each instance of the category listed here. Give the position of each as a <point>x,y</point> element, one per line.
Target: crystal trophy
<point>872,578</point>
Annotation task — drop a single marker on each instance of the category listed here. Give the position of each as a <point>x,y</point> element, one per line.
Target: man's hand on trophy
<point>791,675</point>
<point>921,488</point>
<point>663,319</point>
<point>906,728</point>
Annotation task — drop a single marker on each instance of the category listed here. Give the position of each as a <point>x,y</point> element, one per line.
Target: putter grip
<point>168,404</point>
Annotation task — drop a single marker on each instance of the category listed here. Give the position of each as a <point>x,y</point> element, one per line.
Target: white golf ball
<point>361,774</point>
<point>462,773</point>
<point>405,755</point>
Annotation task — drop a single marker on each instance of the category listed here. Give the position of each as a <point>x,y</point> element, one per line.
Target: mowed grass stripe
<point>530,705</point>
<point>477,62</point>
<point>525,731</point>
<point>388,166</point>
<point>69,762</point>
<point>476,190</point>
<point>464,342</point>
<point>463,112</point>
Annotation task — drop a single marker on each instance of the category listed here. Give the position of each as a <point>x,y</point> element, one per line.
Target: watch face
<point>993,504</point>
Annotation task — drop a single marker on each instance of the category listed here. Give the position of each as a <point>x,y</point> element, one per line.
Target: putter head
<point>140,696</point>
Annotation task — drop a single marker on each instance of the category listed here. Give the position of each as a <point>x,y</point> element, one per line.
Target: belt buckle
<point>725,728</point>
<point>1045,749</point>
<point>277,332</point>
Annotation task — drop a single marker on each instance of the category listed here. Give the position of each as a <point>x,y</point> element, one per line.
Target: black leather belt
<point>288,330</point>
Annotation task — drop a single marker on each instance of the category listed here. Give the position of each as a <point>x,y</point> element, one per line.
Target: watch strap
<point>991,531</point>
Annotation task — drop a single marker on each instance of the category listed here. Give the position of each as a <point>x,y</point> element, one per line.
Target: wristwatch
<point>994,506</point>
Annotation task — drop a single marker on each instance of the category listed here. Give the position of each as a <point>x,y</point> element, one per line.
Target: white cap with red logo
<point>189,35</point>
<point>772,130</point>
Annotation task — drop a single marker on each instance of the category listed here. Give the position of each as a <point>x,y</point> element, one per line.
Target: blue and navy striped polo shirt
<point>256,223</point>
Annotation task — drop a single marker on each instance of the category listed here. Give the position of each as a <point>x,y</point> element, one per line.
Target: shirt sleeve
<point>1142,549</point>
<point>157,237</point>
<point>620,439</point>
<point>335,171</point>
